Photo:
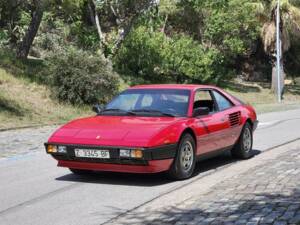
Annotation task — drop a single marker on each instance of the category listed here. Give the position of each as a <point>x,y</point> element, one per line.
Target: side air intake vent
<point>235,119</point>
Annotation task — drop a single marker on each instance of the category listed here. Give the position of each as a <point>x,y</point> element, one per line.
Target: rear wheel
<point>80,172</point>
<point>243,147</point>
<point>185,160</point>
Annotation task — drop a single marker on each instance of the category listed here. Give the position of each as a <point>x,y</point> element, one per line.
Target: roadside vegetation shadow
<point>10,106</point>
<point>148,180</point>
<point>263,208</point>
<point>240,87</point>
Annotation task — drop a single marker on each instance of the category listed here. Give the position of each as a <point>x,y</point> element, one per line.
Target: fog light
<point>51,148</point>
<point>62,149</point>
<point>125,153</point>
<point>136,153</point>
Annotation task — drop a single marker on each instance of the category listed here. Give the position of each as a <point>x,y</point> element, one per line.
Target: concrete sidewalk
<point>262,190</point>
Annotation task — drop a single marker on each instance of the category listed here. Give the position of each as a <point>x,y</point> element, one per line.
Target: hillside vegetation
<point>72,54</point>
<point>24,103</point>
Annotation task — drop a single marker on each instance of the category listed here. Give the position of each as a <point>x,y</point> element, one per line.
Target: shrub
<point>78,77</point>
<point>141,56</point>
<point>151,56</point>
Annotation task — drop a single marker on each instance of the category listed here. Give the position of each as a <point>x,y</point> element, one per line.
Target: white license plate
<point>92,153</point>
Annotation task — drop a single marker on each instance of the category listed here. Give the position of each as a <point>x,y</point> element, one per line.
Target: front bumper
<point>153,166</point>
<point>156,159</point>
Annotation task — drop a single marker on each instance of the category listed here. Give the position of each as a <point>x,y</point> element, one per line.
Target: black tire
<point>243,147</point>
<point>80,172</point>
<point>185,159</point>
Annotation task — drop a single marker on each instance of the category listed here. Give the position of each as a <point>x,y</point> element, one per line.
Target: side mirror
<point>201,111</point>
<point>97,108</point>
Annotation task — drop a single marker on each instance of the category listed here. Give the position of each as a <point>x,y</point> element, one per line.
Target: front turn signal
<point>52,149</point>
<point>137,153</point>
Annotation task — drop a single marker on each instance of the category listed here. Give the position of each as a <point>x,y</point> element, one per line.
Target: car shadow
<point>217,163</point>
<point>147,180</point>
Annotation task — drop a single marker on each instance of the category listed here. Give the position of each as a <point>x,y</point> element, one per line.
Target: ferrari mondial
<point>156,128</point>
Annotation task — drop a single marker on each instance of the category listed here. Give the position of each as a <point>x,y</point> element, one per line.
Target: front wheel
<point>185,160</point>
<point>243,147</point>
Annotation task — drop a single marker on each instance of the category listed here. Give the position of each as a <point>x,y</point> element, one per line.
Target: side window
<point>223,102</point>
<point>203,98</point>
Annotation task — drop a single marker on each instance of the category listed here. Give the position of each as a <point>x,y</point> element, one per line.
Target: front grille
<point>114,156</point>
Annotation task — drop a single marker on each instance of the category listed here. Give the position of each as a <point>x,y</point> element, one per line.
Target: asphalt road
<point>34,191</point>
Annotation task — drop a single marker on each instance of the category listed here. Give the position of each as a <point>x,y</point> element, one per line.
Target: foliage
<point>230,26</point>
<point>149,41</point>
<point>140,55</point>
<point>187,60</point>
<point>157,58</point>
<point>3,38</point>
<point>228,33</point>
<point>81,78</point>
<point>85,37</point>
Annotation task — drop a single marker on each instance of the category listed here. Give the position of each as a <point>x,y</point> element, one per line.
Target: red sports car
<point>155,128</point>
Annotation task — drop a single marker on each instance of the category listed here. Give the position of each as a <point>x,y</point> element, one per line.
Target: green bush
<point>84,36</point>
<point>152,57</point>
<point>79,78</point>
<point>189,61</point>
<point>141,56</point>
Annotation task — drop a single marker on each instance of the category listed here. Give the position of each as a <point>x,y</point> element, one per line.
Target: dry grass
<point>260,96</point>
<point>23,103</point>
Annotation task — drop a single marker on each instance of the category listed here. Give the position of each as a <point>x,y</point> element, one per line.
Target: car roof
<point>173,86</point>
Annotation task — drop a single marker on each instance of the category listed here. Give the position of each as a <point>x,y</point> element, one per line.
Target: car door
<point>231,116</point>
<point>209,128</point>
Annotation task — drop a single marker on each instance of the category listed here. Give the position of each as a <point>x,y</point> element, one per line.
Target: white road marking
<point>262,124</point>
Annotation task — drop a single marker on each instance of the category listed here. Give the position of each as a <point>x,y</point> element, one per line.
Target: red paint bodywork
<point>212,132</point>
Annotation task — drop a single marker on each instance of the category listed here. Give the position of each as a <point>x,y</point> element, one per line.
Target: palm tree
<point>289,29</point>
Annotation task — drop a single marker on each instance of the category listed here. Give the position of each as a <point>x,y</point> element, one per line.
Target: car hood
<point>112,130</point>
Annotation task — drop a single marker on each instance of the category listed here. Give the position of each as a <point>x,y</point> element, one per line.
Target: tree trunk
<point>165,24</point>
<point>98,28</point>
<point>27,41</point>
<point>96,21</point>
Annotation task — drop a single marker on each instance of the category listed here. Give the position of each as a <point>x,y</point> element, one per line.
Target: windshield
<point>150,102</point>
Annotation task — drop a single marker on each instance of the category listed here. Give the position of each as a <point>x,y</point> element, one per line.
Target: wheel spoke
<point>247,140</point>
<point>186,156</point>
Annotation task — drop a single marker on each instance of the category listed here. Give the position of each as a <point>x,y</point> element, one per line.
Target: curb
<point>29,126</point>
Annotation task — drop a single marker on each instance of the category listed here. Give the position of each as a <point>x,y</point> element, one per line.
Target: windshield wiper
<point>118,110</point>
<point>152,111</point>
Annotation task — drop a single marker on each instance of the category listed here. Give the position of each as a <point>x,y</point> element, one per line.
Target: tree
<point>289,27</point>
<point>121,15</point>
<point>37,10</point>
<point>151,56</point>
